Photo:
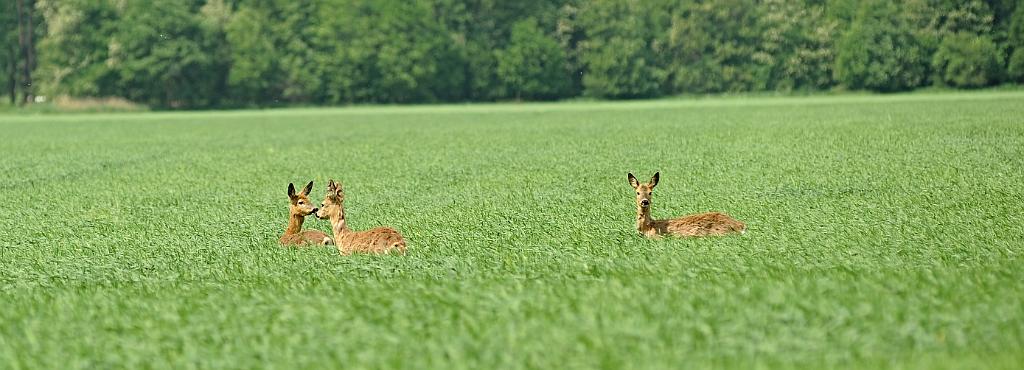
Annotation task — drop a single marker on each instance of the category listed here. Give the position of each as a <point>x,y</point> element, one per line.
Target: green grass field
<point>884,231</point>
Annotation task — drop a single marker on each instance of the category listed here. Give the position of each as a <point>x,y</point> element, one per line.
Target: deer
<point>299,208</point>
<point>381,240</point>
<point>703,224</point>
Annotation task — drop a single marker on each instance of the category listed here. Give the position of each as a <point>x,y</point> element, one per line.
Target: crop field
<point>883,231</point>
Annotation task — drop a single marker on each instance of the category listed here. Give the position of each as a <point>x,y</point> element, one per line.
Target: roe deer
<point>712,223</point>
<point>381,240</point>
<point>298,210</point>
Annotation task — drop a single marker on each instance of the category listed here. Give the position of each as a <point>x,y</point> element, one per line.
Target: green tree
<point>74,54</point>
<point>716,47</point>
<point>27,36</point>
<point>163,56</point>
<point>342,51</point>
<point>388,51</point>
<point>799,40</point>
<point>620,52</point>
<point>214,17</point>
<point>9,50</point>
<point>476,29</point>
<point>879,51</point>
<point>206,53</point>
<point>1015,30</point>
<point>934,22</point>
<point>408,45</point>
<point>967,60</point>
<point>570,33</point>
<point>532,66</point>
<point>1015,66</point>
<point>271,55</point>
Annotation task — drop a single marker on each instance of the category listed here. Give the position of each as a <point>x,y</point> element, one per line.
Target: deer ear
<point>632,181</point>
<point>309,188</point>
<point>654,179</point>
<point>291,190</point>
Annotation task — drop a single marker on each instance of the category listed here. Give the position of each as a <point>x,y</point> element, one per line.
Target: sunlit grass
<point>883,232</point>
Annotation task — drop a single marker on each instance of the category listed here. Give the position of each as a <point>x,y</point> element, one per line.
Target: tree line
<point>229,53</point>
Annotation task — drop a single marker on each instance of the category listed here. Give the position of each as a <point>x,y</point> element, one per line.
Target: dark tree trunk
<point>12,73</point>
<point>25,15</point>
<point>31,60</point>
<point>21,29</point>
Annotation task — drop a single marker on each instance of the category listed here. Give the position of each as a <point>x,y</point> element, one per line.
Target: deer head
<point>644,191</point>
<point>300,204</point>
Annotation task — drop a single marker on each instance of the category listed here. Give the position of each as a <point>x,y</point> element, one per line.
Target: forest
<point>195,54</point>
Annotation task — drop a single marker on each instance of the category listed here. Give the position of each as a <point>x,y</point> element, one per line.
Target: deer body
<point>381,240</point>
<point>704,224</point>
<point>298,210</point>
<point>375,241</point>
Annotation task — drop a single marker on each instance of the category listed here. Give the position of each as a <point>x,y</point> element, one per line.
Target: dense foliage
<point>209,53</point>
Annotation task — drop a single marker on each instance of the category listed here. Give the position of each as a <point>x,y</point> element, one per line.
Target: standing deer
<point>298,210</point>
<point>712,223</point>
<point>382,240</point>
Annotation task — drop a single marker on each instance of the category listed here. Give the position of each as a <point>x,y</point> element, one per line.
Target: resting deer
<point>382,240</point>
<point>298,210</point>
<point>712,223</point>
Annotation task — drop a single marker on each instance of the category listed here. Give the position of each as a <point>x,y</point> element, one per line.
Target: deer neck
<point>294,224</point>
<point>643,218</point>
<point>338,225</point>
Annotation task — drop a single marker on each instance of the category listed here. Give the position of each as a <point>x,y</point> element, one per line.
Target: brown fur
<point>704,224</point>
<point>298,210</point>
<point>382,240</point>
